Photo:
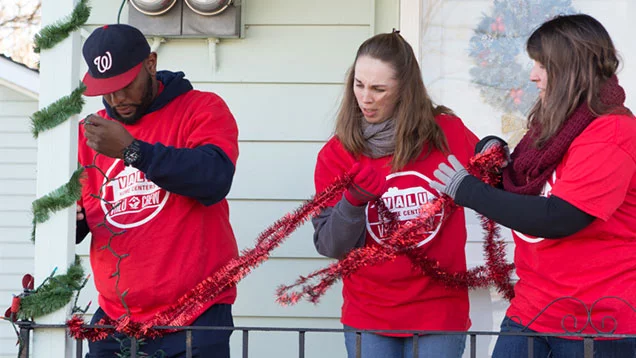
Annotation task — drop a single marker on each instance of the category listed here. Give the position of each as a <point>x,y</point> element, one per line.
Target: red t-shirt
<point>598,176</point>
<point>172,242</point>
<point>392,296</point>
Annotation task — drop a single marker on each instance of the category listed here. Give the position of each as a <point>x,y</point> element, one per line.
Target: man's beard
<point>140,109</point>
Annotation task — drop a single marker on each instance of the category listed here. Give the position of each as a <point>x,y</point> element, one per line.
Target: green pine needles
<point>58,112</point>
<point>51,35</point>
<point>54,293</point>
<point>57,291</point>
<point>58,199</point>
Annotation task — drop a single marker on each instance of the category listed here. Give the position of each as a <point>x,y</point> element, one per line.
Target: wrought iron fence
<point>26,327</point>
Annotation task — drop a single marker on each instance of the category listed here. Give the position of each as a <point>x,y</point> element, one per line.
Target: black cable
<point>120,9</point>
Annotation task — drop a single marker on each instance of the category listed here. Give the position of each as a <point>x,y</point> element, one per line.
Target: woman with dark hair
<point>569,194</point>
<point>390,137</point>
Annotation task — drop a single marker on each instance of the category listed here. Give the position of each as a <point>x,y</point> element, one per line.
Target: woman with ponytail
<point>389,138</point>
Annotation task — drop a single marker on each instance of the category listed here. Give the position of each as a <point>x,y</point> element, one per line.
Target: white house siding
<point>17,191</point>
<point>447,27</point>
<point>282,82</point>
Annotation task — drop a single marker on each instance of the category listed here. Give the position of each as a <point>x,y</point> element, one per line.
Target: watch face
<point>131,157</point>
<point>131,153</point>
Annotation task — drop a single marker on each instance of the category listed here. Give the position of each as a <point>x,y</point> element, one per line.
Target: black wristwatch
<point>132,153</point>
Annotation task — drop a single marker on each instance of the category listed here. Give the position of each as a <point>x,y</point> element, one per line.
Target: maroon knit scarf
<point>531,167</point>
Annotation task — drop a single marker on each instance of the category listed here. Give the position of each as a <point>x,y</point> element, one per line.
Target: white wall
<point>17,191</point>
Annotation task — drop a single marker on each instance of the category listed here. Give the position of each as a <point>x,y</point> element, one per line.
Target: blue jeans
<point>555,347</point>
<point>377,346</point>
<point>205,344</point>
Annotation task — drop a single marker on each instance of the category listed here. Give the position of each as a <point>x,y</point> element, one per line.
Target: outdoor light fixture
<point>208,7</point>
<point>153,7</point>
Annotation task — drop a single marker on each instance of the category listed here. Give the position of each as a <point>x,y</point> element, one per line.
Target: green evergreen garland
<point>51,35</point>
<point>60,198</point>
<point>54,293</point>
<point>58,112</point>
<point>57,291</point>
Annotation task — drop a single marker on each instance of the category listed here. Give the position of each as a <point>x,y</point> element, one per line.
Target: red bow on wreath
<point>27,284</point>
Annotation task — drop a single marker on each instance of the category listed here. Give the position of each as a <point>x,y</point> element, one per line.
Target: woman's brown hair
<point>414,112</point>
<point>579,56</point>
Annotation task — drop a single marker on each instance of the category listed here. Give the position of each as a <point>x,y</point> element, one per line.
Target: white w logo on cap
<point>103,63</point>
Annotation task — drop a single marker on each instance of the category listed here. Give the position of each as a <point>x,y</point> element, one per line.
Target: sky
<point>16,38</point>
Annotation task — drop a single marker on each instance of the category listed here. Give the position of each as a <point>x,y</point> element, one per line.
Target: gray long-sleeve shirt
<point>339,229</point>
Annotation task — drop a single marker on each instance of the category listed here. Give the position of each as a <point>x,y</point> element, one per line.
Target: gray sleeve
<point>339,229</point>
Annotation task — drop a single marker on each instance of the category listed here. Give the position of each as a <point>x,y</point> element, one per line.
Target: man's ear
<point>151,63</point>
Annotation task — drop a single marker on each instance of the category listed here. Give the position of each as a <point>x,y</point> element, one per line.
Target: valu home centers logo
<point>407,192</point>
<point>136,200</point>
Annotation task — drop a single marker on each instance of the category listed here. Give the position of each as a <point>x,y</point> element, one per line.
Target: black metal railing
<point>26,327</point>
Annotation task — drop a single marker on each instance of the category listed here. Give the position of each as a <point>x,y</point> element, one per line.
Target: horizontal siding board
<point>17,140</point>
<point>16,202</point>
<point>279,112</point>
<point>7,94</point>
<point>8,347</point>
<point>14,234</point>
<point>387,15</point>
<point>321,54</point>
<point>272,111</point>
<point>260,286</point>
<point>250,218</point>
<point>17,187</point>
<point>17,171</point>
<point>15,124</point>
<point>11,283</point>
<point>17,249</point>
<point>21,108</point>
<point>17,156</point>
<point>275,171</point>
<point>305,12</point>
<point>16,266</point>
<point>17,219</point>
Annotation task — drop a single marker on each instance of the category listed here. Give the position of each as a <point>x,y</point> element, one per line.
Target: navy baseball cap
<point>114,55</point>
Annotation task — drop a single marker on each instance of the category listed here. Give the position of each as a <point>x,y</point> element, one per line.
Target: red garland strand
<point>182,312</point>
<point>401,237</point>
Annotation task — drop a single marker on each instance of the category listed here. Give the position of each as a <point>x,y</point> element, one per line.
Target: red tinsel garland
<point>402,237</point>
<point>187,306</point>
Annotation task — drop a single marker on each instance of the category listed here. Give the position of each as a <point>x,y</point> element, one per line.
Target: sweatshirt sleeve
<point>551,217</point>
<point>204,173</point>
<point>204,168</point>
<point>339,229</point>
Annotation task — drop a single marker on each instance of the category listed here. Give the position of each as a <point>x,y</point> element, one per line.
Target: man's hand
<point>106,137</point>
